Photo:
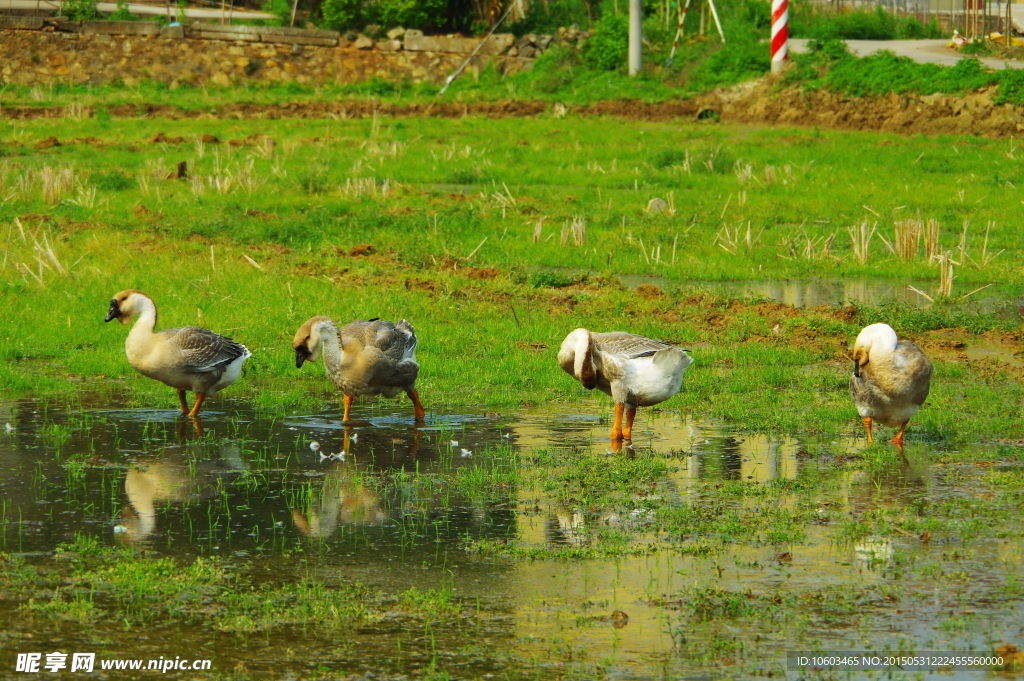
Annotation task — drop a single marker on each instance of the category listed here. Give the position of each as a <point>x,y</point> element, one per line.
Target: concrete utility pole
<point>636,36</point>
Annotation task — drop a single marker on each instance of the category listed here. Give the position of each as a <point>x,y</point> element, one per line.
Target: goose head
<point>307,340</point>
<point>877,339</point>
<point>127,304</point>
<point>578,351</point>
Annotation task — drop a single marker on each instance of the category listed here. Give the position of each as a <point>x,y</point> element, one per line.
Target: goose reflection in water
<point>342,500</point>
<point>171,478</point>
<point>347,495</point>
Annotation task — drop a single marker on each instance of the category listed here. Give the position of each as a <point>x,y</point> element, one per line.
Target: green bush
<point>553,70</point>
<point>348,14</point>
<point>422,14</point>
<point>80,10</point>
<point>745,57</point>
<point>858,25</point>
<point>608,48</point>
<point>341,14</point>
<point>282,11</point>
<point>759,14</point>
<point>122,13</point>
<point>828,65</point>
<point>548,17</point>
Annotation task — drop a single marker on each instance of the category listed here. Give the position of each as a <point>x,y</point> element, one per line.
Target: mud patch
<point>755,102</point>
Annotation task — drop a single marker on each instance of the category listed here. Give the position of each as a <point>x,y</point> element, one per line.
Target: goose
<point>363,357</point>
<point>891,379</point>
<point>635,371</point>
<point>189,358</point>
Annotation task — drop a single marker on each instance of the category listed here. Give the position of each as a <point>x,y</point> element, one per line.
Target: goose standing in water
<point>363,357</point>
<point>635,371</point>
<point>891,379</point>
<point>188,358</point>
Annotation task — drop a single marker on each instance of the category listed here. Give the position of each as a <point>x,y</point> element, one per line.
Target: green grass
<point>262,236</point>
<point>830,67</point>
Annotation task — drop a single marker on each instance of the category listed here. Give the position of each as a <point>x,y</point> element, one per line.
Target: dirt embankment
<point>763,102</point>
<point>757,102</point>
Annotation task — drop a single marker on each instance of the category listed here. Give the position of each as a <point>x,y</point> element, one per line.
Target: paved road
<point>922,51</point>
<point>110,7</point>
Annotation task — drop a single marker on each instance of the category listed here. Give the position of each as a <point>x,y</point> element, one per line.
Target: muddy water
<point>376,502</point>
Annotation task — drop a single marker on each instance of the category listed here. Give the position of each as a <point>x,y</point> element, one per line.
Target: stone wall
<point>54,54</point>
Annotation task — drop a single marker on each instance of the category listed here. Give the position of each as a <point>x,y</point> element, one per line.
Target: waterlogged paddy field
<point>749,518</point>
<point>127,534</point>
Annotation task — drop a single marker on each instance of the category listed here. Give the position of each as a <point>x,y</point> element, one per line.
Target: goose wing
<point>203,350</point>
<point>916,368</point>
<point>396,341</point>
<point>628,344</point>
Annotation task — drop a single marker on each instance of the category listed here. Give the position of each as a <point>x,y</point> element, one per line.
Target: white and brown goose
<point>187,358</point>
<point>891,379</point>
<point>636,371</point>
<point>363,357</point>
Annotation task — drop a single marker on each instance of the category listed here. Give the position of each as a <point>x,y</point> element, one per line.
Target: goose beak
<point>856,368</point>
<point>114,312</point>
<point>301,353</point>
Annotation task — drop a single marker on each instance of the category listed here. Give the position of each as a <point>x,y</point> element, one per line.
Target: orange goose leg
<point>627,432</point>
<point>200,397</point>
<point>899,436</point>
<point>184,402</point>
<point>348,406</point>
<point>867,425</point>
<point>416,405</point>
<point>617,425</point>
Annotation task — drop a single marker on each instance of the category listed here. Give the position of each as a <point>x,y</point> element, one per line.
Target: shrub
<point>423,14</point>
<point>744,58</point>
<point>608,48</point>
<point>553,70</point>
<point>858,25</point>
<point>80,10</point>
<point>347,14</point>
<point>341,14</point>
<point>122,13</point>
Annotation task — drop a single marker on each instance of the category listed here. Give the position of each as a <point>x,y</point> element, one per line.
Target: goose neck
<point>145,322</point>
<point>330,344</point>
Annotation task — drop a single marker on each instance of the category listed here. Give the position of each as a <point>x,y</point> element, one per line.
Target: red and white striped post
<point>780,34</point>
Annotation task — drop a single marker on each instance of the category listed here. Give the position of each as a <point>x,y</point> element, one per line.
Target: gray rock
<point>25,23</point>
<point>656,206</point>
<point>364,43</point>
<point>120,28</point>
<point>173,32</point>
<point>396,33</point>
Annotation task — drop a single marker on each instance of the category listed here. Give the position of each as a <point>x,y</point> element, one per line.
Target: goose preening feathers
<point>188,358</point>
<point>891,378</point>
<point>635,371</point>
<point>363,357</point>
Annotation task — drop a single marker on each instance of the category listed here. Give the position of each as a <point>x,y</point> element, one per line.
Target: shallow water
<point>812,293</point>
<point>391,514</point>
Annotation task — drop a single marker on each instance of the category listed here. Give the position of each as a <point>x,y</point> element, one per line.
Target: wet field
<point>517,544</point>
<point>547,579</point>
